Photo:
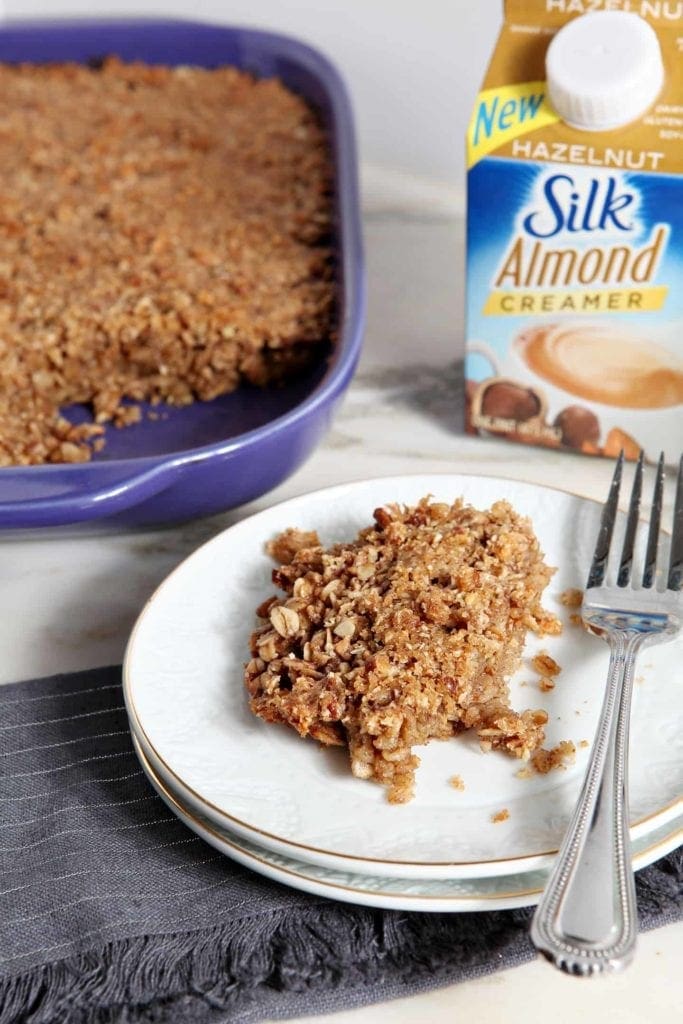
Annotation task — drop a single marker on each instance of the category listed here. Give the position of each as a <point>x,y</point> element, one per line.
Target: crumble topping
<point>405,634</point>
<point>164,236</point>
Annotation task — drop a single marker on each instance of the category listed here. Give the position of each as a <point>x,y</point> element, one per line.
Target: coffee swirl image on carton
<point>575,231</point>
<point>601,363</point>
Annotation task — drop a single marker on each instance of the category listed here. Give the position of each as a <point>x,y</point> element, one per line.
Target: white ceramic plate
<point>501,892</point>
<point>184,693</point>
<point>515,884</point>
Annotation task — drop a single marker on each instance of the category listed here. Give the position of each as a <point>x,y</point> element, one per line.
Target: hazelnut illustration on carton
<point>575,229</point>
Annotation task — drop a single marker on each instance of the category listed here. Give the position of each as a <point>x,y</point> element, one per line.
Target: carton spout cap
<point>604,70</point>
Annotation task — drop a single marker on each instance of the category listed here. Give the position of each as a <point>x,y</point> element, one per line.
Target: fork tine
<point>609,515</point>
<point>655,520</point>
<point>675,581</point>
<point>631,526</point>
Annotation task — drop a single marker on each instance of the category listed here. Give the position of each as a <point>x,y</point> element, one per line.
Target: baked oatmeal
<point>405,634</point>
<point>164,236</point>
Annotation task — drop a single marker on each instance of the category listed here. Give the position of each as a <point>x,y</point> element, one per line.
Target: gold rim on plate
<point>183,812</point>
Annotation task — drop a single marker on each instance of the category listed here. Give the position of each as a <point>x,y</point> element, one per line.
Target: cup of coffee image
<point>594,381</point>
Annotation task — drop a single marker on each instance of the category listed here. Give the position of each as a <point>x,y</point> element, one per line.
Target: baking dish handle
<point>62,505</point>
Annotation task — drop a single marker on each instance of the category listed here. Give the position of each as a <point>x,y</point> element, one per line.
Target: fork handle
<point>586,920</point>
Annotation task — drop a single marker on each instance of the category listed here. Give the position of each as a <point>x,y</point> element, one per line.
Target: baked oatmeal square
<point>408,633</point>
<point>164,237</point>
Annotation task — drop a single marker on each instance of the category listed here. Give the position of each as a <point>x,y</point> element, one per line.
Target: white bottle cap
<point>604,70</point>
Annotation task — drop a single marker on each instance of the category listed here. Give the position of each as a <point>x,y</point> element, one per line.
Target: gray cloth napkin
<point>112,911</point>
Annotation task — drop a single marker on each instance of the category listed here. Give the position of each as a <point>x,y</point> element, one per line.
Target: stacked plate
<point>292,811</point>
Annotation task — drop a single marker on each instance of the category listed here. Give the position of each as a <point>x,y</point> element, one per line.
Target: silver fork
<point>586,921</point>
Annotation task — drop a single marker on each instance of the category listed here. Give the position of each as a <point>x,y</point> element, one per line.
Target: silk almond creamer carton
<point>575,229</point>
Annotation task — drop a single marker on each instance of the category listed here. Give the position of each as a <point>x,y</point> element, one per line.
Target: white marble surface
<point>68,602</point>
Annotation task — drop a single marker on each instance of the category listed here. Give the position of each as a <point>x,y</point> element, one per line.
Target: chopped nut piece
<point>571,598</point>
<point>286,546</point>
<point>420,648</point>
<point>329,589</point>
<point>456,782</point>
<point>547,625</point>
<point>302,588</point>
<point>285,620</point>
<point>576,620</point>
<point>382,517</point>
<point>266,648</point>
<point>545,684</point>
<point>545,665</point>
<point>345,628</point>
<point>71,452</point>
<point>584,743</point>
<point>500,816</point>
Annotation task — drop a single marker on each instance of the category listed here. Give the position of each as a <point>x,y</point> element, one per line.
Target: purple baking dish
<point>215,455</point>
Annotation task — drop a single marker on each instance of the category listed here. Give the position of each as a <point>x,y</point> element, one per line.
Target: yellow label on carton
<point>503,114</point>
<point>589,300</point>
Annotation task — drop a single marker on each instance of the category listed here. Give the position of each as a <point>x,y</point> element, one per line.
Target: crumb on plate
<point>545,665</point>
<point>559,756</point>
